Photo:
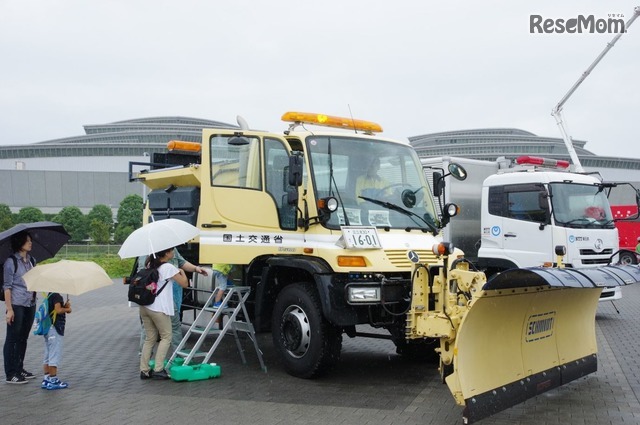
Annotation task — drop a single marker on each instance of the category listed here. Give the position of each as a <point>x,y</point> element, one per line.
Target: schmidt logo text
<point>580,24</point>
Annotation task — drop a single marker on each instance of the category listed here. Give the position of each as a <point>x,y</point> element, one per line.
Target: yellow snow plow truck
<point>333,226</point>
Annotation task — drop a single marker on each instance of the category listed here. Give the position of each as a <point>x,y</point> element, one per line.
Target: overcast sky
<point>413,66</point>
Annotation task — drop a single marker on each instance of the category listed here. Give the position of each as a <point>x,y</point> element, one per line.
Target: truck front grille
<point>592,252</point>
<point>399,258</point>
<point>596,261</point>
<point>591,258</point>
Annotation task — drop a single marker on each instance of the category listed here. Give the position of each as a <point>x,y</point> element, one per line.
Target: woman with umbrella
<point>156,317</point>
<point>21,308</point>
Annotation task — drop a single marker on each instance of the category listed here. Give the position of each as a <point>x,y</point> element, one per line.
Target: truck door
<point>520,217</point>
<point>244,211</point>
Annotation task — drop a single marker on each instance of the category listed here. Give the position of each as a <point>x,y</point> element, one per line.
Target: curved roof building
<point>120,141</point>
<point>92,168</point>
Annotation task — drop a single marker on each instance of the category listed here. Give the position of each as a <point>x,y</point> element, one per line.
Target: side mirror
<point>438,184</point>
<point>295,170</point>
<point>457,171</point>
<point>543,202</point>
<point>238,140</point>
<point>292,196</point>
<point>409,198</point>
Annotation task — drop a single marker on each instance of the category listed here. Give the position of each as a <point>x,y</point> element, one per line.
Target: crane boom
<point>557,110</point>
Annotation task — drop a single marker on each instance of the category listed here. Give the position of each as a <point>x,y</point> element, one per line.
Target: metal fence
<point>88,251</point>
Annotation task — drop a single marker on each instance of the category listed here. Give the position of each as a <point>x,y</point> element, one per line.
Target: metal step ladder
<point>237,320</point>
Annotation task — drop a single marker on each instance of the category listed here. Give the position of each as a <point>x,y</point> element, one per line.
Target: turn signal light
<point>443,248</point>
<point>330,121</point>
<point>351,261</point>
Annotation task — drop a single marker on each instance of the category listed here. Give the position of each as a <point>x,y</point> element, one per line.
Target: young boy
<point>221,279</point>
<point>53,342</point>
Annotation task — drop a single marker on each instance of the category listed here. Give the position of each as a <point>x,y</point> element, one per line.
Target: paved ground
<point>372,385</point>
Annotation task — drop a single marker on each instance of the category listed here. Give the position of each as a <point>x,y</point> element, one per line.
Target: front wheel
<point>307,344</point>
<point>628,258</point>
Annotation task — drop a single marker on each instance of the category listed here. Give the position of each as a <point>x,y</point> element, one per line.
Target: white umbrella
<point>157,236</point>
<point>67,277</point>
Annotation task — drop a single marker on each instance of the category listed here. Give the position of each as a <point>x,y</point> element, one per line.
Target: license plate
<point>360,237</point>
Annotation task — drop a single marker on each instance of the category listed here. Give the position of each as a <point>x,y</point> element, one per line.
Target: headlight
<point>451,210</point>
<point>363,295</point>
<point>329,204</point>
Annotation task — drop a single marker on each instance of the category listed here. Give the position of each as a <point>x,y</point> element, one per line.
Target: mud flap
<point>528,331</point>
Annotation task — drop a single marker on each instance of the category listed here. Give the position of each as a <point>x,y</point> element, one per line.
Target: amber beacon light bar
<point>330,121</point>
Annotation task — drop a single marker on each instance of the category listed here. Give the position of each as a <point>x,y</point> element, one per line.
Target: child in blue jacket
<point>53,342</point>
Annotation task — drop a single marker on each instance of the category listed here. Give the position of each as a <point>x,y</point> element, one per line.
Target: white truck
<point>513,215</point>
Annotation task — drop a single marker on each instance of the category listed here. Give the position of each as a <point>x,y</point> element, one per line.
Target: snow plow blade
<point>528,331</point>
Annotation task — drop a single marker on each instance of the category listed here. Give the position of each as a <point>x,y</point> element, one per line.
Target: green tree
<point>101,213</point>
<point>6,221</point>
<point>121,233</point>
<point>29,215</point>
<point>99,232</point>
<point>130,211</point>
<point>74,222</point>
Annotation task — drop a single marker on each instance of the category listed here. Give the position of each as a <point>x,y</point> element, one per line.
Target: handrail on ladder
<point>237,294</point>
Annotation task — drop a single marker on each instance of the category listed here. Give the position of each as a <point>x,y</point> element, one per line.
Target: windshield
<point>388,174</point>
<point>580,206</point>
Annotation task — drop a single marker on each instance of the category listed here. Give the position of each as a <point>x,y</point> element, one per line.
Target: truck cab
<point>528,214</point>
<point>514,214</point>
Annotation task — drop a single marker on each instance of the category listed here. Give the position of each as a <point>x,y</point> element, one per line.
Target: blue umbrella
<point>47,238</point>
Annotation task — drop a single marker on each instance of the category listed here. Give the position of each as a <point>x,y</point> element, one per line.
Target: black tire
<point>628,258</point>
<point>307,344</point>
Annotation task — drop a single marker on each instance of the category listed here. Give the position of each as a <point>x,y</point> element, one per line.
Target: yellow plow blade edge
<point>527,332</point>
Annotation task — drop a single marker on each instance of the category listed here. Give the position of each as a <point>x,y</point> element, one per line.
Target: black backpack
<point>15,269</point>
<point>143,287</point>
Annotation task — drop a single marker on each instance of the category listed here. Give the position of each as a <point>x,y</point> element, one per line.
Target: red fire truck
<point>628,231</point>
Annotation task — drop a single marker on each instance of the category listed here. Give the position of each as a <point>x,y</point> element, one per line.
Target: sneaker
<point>45,383</point>
<point>27,375</point>
<point>56,384</point>
<point>160,375</point>
<point>218,304</point>
<point>16,379</point>
<point>146,375</point>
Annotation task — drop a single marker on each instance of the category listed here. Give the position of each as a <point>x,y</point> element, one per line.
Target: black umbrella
<point>47,238</point>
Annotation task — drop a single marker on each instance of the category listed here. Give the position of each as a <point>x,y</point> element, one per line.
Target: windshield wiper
<point>410,228</point>
<point>574,222</point>
<point>401,210</point>
<point>587,222</point>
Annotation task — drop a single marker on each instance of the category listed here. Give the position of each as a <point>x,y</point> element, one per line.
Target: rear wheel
<point>307,344</point>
